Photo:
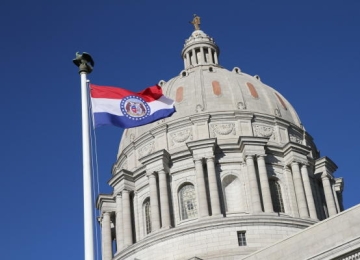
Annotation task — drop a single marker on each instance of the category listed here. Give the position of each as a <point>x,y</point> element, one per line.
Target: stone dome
<point>206,87</point>
<point>231,172</point>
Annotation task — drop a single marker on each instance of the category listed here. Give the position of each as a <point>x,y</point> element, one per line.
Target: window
<point>276,196</point>
<point>187,202</point>
<point>241,238</point>
<point>147,215</point>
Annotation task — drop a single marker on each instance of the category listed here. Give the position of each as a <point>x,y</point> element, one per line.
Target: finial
<point>84,61</point>
<point>196,22</point>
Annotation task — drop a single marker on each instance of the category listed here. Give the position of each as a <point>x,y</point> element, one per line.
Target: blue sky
<point>307,50</point>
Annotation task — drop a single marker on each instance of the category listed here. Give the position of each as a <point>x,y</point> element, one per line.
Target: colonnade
<point>259,188</point>
<point>200,56</point>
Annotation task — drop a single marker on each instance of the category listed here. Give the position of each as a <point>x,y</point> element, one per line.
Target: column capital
<point>249,156</point>
<point>294,163</point>
<point>325,175</point>
<point>210,158</point>
<point>125,191</point>
<point>261,156</point>
<point>104,214</point>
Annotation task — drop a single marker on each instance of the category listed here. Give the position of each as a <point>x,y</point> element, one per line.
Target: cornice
<point>104,198</point>
<point>296,148</point>
<point>201,144</point>
<point>120,176</point>
<point>159,160</point>
<point>325,163</point>
<point>251,141</point>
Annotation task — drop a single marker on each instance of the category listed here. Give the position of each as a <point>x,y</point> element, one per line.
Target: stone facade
<point>231,172</point>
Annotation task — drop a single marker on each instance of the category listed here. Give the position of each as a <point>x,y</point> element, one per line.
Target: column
<point>202,60</point>
<point>194,61</point>
<point>119,229</point>
<point>254,189</point>
<point>137,215</point>
<point>106,236</point>
<point>264,184</point>
<point>210,53</point>
<point>328,195</point>
<point>164,200</point>
<point>154,204</point>
<point>128,239</point>
<point>213,188</point>
<point>188,63</point>
<point>216,58</point>
<point>299,190</point>
<point>201,190</point>
<point>308,192</point>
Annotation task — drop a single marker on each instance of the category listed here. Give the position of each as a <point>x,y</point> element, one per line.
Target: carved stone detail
<point>277,112</point>
<point>180,136</point>
<point>146,149</point>
<point>264,131</point>
<point>222,129</point>
<point>295,138</point>
<point>241,105</point>
<point>199,108</point>
<point>132,137</point>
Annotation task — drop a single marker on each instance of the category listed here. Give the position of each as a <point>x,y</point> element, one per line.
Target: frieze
<point>222,129</point>
<point>146,149</point>
<point>181,136</point>
<point>264,131</point>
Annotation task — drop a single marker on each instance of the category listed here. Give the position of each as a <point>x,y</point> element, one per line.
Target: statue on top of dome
<point>196,22</point>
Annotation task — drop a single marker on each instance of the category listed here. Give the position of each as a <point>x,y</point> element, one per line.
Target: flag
<point>126,109</point>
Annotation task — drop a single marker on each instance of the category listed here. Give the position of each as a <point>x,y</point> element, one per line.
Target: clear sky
<point>307,50</point>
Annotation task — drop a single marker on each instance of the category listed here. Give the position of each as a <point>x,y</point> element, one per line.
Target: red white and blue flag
<point>126,109</point>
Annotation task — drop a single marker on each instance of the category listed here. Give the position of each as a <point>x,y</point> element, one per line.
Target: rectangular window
<point>241,238</point>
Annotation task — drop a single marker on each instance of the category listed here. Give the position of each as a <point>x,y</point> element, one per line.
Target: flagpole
<point>85,64</point>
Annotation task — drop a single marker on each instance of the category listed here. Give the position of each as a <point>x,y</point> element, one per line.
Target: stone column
<point>216,57</point>
<point>264,184</point>
<point>202,60</point>
<point>254,189</point>
<point>164,200</point>
<point>194,61</point>
<point>128,238</point>
<point>213,187</point>
<point>119,224</point>
<point>106,236</point>
<point>328,195</point>
<point>201,190</point>
<point>211,60</point>
<point>308,192</point>
<point>299,190</point>
<point>154,204</point>
<point>188,62</point>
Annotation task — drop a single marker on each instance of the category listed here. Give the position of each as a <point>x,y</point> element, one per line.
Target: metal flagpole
<point>85,64</point>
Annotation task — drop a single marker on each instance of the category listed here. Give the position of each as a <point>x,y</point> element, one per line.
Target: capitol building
<point>233,174</point>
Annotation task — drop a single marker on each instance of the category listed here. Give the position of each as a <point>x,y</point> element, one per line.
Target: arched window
<point>276,196</point>
<point>187,202</point>
<point>147,215</point>
<point>231,187</point>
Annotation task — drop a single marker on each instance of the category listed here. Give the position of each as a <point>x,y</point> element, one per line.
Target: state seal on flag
<point>134,107</point>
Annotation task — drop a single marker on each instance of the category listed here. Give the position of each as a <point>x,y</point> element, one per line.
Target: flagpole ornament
<point>84,61</point>
<point>196,22</point>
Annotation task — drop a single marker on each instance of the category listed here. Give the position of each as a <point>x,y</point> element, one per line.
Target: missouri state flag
<point>126,109</point>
